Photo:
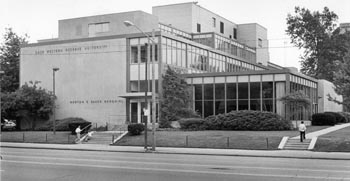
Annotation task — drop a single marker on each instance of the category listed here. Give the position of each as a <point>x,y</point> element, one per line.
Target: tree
<point>176,99</point>
<point>315,33</point>
<point>35,101</point>
<point>9,60</point>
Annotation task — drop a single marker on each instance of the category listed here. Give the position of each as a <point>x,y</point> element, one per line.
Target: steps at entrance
<point>295,144</point>
<point>104,138</point>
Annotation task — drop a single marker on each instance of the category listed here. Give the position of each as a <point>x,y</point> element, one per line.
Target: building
<point>102,65</point>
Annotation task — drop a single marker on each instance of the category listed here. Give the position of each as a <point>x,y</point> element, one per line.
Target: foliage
<point>9,60</point>
<point>239,120</point>
<point>317,33</point>
<point>320,119</point>
<point>84,126</point>
<point>298,99</point>
<point>176,100</point>
<point>342,79</point>
<point>192,124</point>
<point>247,120</point>
<point>61,125</point>
<point>338,117</point>
<point>36,101</point>
<point>346,115</point>
<point>135,129</point>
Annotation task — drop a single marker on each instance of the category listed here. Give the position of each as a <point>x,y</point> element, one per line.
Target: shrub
<point>135,129</point>
<point>61,125</point>
<point>320,119</point>
<point>247,120</point>
<point>338,117</point>
<point>192,124</point>
<point>346,115</point>
<point>75,122</point>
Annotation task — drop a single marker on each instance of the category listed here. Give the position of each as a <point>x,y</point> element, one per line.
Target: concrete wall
<point>249,34</point>
<point>324,88</point>
<point>91,76</point>
<point>185,16</point>
<point>78,27</point>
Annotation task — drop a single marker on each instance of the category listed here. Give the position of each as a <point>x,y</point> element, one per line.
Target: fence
<point>38,137</point>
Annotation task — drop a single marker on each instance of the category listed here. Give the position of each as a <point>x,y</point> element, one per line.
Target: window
<point>214,22</point>
<point>198,27</point>
<point>259,42</point>
<point>134,54</point>
<point>235,33</point>
<point>98,28</point>
<point>221,27</point>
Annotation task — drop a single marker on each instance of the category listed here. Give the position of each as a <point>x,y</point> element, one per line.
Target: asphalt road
<point>41,164</point>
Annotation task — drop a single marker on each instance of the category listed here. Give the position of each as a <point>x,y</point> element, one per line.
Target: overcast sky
<point>39,18</point>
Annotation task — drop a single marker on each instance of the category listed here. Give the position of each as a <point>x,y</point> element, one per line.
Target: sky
<point>39,18</point>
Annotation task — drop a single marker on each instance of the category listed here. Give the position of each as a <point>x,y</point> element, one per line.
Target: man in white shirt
<point>302,129</point>
<point>77,131</point>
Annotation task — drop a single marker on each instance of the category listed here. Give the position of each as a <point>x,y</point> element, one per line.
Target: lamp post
<point>1,72</point>
<point>54,70</point>
<point>152,39</point>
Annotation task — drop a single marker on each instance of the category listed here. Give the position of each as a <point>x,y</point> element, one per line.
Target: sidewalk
<point>323,131</point>
<point>194,151</point>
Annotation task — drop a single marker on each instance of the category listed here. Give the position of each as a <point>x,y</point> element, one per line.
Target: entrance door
<point>134,113</point>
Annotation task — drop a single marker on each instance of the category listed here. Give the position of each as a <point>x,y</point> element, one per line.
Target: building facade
<point>102,65</point>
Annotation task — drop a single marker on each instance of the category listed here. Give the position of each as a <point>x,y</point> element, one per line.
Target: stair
<point>104,138</point>
<point>295,144</point>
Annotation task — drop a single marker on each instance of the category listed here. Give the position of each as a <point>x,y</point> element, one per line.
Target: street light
<point>129,23</point>
<point>1,72</point>
<point>55,69</point>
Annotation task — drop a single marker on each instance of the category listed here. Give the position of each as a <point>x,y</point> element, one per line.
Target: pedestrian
<point>88,136</point>
<point>302,130</point>
<point>77,131</point>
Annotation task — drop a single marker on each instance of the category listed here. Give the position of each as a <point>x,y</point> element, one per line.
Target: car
<point>8,124</point>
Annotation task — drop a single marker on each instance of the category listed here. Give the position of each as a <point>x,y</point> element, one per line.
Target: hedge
<point>61,125</point>
<point>346,115</point>
<point>338,117</point>
<point>192,124</point>
<point>135,129</point>
<point>238,120</point>
<point>320,119</point>
<point>247,120</point>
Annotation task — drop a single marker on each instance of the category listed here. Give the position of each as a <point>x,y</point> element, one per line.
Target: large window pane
<point>231,105</point>
<point>219,106</point>
<point>208,108</point>
<point>198,91</point>
<point>254,90</point>
<point>255,104</point>
<point>243,105</point>
<point>133,54</point>
<point>208,91</point>
<point>198,107</point>
<point>143,54</point>
<point>219,91</point>
<point>267,105</point>
<point>267,89</point>
<point>242,90</point>
<point>231,91</point>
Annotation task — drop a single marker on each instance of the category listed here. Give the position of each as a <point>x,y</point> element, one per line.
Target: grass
<point>253,140</point>
<point>61,137</point>
<point>337,141</point>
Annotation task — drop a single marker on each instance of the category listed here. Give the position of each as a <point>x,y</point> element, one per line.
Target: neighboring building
<point>344,27</point>
<point>101,63</point>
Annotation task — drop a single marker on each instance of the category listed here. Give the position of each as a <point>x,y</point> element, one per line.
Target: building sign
<point>106,101</point>
<point>70,50</point>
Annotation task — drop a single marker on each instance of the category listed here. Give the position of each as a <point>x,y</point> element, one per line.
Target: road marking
<point>186,164</point>
<point>182,171</point>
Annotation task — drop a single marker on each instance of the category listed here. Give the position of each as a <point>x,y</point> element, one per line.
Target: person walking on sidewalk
<point>302,130</point>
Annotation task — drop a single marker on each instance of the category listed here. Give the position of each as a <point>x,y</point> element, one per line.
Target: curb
<point>183,153</point>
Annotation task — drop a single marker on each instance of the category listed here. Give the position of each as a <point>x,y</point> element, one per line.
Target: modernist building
<point>102,63</point>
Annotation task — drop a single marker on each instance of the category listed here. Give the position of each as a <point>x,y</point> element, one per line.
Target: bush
<point>346,116</point>
<point>338,117</point>
<point>247,120</point>
<point>192,124</point>
<point>135,129</point>
<point>79,122</point>
<point>61,125</point>
<point>239,120</point>
<point>321,119</point>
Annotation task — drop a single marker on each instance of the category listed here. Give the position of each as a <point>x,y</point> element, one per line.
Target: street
<point>44,164</point>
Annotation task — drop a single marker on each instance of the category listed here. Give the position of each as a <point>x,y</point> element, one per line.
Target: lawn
<point>335,141</point>
<point>253,140</point>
